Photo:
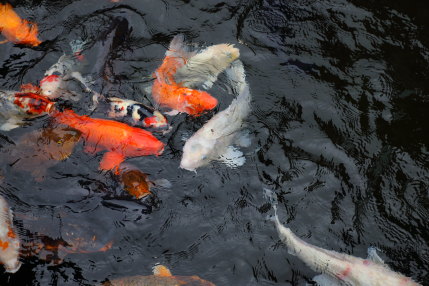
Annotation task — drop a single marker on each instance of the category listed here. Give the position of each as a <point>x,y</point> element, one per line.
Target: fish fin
<point>373,256</point>
<point>164,183</point>
<point>161,270</point>
<point>10,124</point>
<point>233,157</point>
<point>325,280</point>
<point>111,160</point>
<point>4,41</point>
<point>172,112</point>
<point>243,139</point>
<point>92,148</point>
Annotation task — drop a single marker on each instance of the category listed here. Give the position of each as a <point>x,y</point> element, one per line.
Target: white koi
<point>340,269</point>
<point>204,67</point>
<point>214,140</point>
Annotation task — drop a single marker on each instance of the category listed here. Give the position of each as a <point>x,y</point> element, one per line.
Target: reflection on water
<point>338,131</point>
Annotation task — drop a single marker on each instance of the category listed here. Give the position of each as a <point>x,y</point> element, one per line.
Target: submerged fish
<point>137,183</point>
<point>15,107</point>
<point>39,150</point>
<point>134,181</point>
<point>136,112</point>
<point>118,139</point>
<point>339,269</point>
<point>55,83</point>
<point>15,29</point>
<point>214,140</point>
<point>9,241</point>
<point>168,93</point>
<point>162,277</point>
<point>204,68</point>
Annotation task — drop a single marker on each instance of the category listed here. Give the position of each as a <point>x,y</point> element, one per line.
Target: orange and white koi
<point>161,276</point>
<point>168,93</point>
<point>15,29</point>
<point>9,241</point>
<point>118,139</point>
<point>15,107</point>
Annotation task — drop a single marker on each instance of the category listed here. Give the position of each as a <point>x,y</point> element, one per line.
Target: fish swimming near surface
<point>339,269</point>
<point>9,241</point>
<point>204,68</point>
<point>118,139</point>
<point>161,277</point>
<point>39,150</point>
<point>137,183</point>
<point>168,93</point>
<point>214,140</point>
<point>16,107</point>
<point>15,29</point>
<point>136,113</point>
<point>55,83</point>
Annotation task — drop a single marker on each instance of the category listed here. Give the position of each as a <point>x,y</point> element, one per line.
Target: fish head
<point>197,152</point>
<point>135,183</point>
<point>143,143</point>
<point>230,52</point>
<point>50,86</point>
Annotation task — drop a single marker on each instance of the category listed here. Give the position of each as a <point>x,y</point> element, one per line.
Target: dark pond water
<point>339,131</point>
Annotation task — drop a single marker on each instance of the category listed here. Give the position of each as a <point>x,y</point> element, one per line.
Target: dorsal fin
<point>161,270</point>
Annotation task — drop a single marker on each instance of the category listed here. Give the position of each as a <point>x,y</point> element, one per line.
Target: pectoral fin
<point>243,139</point>
<point>161,270</point>
<point>233,157</point>
<point>325,280</point>
<point>373,256</point>
<point>111,160</point>
<point>10,124</point>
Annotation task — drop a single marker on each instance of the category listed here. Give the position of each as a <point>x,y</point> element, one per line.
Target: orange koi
<point>118,139</point>
<point>167,92</point>
<point>15,29</point>
<point>161,276</point>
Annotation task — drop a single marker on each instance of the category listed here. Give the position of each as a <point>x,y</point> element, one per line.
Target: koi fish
<point>168,93</point>
<point>214,140</point>
<point>137,183</point>
<point>15,107</point>
<point>204,68</point>
<point>136,112</point>
<point>118,139</point>
<point>161,276</point>
<point>9,241</point>
<point>39,150</point>
<point>15,29</point>
<point>338,269</point>
<point>57,77</point>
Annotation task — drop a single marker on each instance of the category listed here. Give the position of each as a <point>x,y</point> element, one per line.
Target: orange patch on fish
<point>169,93</point>
<point>15,29</point>
<point>4,244</point>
